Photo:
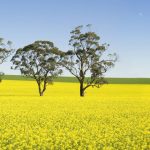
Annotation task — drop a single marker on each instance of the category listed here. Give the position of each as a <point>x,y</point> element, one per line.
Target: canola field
<point>114,117</point>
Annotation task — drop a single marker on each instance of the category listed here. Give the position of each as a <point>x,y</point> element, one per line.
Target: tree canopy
<point>5,51</point>
<point>39,60</point>
<point>85,58</point>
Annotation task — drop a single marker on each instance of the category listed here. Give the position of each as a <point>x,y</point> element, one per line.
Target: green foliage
<point>38,60</point>
<point>5,51</point>
<point>85,58</point>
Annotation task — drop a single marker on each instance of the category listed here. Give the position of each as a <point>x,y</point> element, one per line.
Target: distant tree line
<point>43,61</point>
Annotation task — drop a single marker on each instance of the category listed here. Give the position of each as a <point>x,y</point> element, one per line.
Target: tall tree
<point>86,58</point>
<point>38,60</point>
<point>5,51</point>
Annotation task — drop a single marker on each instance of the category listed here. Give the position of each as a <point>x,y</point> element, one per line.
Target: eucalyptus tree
<point>5,51</point>
<point>86,58</point>
<point>40,61</point>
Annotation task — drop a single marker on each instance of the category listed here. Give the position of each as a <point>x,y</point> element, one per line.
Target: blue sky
<point>124,24</point>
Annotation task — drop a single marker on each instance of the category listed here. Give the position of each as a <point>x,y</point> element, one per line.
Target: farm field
<point>74,80</point>
<point>114,117</point>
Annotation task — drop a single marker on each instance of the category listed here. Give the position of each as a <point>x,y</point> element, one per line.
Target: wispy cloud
<point>140,14</point>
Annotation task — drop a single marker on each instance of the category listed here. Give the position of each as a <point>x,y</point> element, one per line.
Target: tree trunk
<point>81,89</point>
<point>40,91</point>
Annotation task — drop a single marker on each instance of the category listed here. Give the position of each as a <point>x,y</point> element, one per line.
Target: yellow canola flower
<point>110,118</point>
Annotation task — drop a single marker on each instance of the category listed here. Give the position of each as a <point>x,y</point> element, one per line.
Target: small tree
<point>5,51</point>
<point>85,59</point>
<point>38,60</point>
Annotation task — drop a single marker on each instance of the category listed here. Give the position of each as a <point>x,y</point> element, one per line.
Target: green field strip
<point>74,80</point>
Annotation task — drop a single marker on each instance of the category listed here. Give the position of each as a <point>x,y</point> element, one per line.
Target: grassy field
<point>114,117</point>
<point>74,80</point>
